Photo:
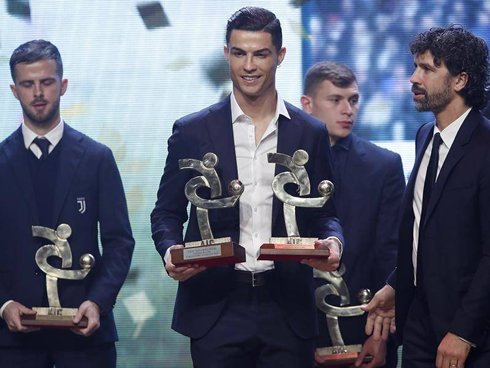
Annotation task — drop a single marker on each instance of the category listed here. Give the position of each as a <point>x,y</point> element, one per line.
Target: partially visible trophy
<point>339,354</point>
<point>55,316</point>
<point>208,251</point>
<point>294,247</point>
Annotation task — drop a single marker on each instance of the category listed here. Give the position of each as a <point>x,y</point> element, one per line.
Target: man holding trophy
<point>57,187</point>
<point>253,313</point>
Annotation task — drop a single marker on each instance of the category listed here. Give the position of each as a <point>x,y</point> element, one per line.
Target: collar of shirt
<point>344,143</point>
<point>449,133</point>
<point>53,136</point>
<point>237,112</point>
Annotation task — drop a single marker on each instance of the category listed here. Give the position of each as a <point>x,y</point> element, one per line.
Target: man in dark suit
<point>442,279</point>
<point>233,321</point>
<point>51,174</point>
<point>369,185</point>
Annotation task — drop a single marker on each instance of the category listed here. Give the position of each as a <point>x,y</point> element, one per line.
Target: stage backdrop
<point>134,67</point>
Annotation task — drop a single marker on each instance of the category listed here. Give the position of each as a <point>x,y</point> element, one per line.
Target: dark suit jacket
<point>201,299</point>
<point>87,169</point>
<point>368,204</point>
<point>455,238</point>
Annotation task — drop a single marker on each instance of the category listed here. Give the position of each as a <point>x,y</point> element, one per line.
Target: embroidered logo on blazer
<point>83,206</point>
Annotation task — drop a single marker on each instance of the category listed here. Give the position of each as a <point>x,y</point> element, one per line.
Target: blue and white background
<point>134,67</point>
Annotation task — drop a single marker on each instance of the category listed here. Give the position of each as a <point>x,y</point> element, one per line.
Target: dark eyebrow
<point>426,65</point>
<point>234,48</point>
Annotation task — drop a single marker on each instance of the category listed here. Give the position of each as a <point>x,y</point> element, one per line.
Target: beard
<point>42,119</point>
<point>435,101</point>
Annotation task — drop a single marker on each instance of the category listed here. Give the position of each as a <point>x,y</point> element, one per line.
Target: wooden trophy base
<point>53,318</point>
<point>216,254</point>
<point>282,249</point>
<point>341,357</point>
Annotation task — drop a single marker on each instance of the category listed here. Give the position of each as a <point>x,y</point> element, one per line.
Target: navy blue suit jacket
<point>455,238</point>
<point>201,299</point>
<point>87,169</point>
<point>368,205</point>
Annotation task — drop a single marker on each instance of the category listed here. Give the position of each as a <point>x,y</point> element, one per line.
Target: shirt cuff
<point>4,306</point>
<point>466,341</point>
<point>337,240</point>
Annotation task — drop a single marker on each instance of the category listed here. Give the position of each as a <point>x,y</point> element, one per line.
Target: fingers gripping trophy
<point>208,251</point>
<point>56,316</point>
<point>294,247</point>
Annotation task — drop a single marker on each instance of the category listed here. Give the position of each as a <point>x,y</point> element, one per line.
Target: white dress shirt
<point>54,137</point>
<point>447,136</point>
<point>256,174</point>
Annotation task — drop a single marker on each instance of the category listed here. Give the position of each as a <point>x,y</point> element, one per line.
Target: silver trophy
<point>339,354</point>
<point>208,251</point>
<point>56,316</point>
<point>294,247</point>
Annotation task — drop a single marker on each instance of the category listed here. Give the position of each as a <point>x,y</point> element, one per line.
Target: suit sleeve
<point>325,222</point>
<point>115,236</point>
<point>170,212</point>
<point>386,241</point>
<point>471,320</point>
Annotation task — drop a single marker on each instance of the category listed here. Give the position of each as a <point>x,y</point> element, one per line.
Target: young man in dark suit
<point>369,185</point>
<point>51,174</point>
<point>232,321</point>
<point>442,279</point>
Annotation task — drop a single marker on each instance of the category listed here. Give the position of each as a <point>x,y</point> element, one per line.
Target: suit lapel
<point>425,137</point>
<point>454,155</point>
<point>351,170</point>
<point>17,159</point>
<point>288,141</point>
<point>220,130</point>
<point>71,153</point>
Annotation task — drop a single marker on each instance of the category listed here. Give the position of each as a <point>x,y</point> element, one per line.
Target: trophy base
<point>53,318</point>
<point>291,249</point>
<point>341,356</point>
<point>211,255</point>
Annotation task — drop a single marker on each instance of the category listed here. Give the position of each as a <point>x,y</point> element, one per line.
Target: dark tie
<point>43,145</point>
<point>430,177</point>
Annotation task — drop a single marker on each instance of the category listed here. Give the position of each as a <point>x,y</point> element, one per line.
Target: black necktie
<point>430,177</point>
<point>43,145</point>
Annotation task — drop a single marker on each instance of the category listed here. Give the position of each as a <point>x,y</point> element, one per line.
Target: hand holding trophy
<point>55,316</point>
<point>294,247</point>
<point>208,251</point>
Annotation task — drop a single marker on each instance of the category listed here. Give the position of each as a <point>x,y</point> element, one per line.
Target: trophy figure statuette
<point>208,251</point>
<point>294,247</point>
<point>339,354</point>
<point>56,316</point>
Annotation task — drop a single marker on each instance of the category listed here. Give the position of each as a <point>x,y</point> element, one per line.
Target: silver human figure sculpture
<point>298,176</point>
<point>337,286</point>
<point>61,249</point>
<point>209,179</point>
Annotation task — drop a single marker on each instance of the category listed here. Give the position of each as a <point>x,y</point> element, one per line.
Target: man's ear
<point>226,52</point>
<point>14,91</point>
<point>461,81</point>
<point>307,103</point>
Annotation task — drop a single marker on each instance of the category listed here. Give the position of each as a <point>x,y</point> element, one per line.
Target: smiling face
<point>432,85</point>
<point>38,87</point>
<point>337,107</point>
<point>253,61</point>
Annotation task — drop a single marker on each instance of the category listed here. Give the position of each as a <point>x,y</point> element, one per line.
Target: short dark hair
<point>255,19</point>
<point>33,51</point>
<point>461,51</point>
<point>339,74</point>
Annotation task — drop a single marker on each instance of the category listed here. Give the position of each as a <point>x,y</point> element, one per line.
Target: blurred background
<point>134,67</point>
